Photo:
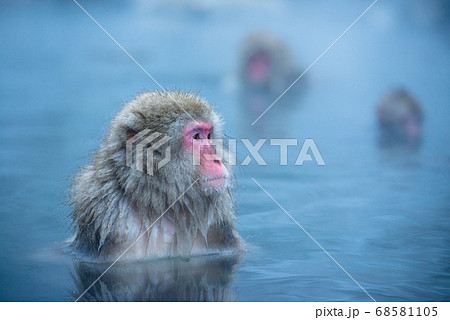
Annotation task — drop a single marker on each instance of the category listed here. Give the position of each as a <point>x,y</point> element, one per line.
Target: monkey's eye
<point>196,136</point>
<point>130,133</point>
<point>209,135</point>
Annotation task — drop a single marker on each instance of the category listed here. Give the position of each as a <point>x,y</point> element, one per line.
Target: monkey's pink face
<point>412,126</point>
<point>197,140</point>
<point>258,67</point>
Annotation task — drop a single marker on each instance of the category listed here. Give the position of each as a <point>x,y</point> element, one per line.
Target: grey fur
<point>113,204</point>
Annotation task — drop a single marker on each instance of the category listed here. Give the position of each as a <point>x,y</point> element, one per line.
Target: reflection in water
<point>254,102</point>
<point>198,279</point>
<point>390,141</point>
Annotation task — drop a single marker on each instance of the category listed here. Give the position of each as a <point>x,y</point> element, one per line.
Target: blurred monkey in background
<point>400,118</point>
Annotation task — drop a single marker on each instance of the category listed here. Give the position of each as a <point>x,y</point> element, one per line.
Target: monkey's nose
<point>213,158</point>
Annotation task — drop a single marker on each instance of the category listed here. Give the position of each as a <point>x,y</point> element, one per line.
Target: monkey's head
<point>265,59</point>
<point>258,64</point>
<point>400,112</point>
<point>164,141</point>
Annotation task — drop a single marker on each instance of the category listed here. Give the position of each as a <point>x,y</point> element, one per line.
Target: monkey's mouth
<point>215,182</point>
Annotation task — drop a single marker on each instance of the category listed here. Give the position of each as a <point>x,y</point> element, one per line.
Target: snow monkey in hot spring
<point>191,202</point>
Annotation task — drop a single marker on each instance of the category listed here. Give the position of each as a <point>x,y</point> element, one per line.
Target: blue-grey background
<point>383,214</point>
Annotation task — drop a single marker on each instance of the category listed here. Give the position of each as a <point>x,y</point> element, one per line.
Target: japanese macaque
<point>400,116</point>
<point>266,70</point>
<point>266,64</point>
<point>186,203</point>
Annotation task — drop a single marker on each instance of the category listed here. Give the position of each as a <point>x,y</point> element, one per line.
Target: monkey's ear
<point>130,133</point>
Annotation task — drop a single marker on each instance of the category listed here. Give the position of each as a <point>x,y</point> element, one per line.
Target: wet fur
<point>114,204</point>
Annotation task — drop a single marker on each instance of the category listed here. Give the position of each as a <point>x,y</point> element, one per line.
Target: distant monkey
<point>266,64</point>
<point>113,204</point>
<point>400,115</point>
